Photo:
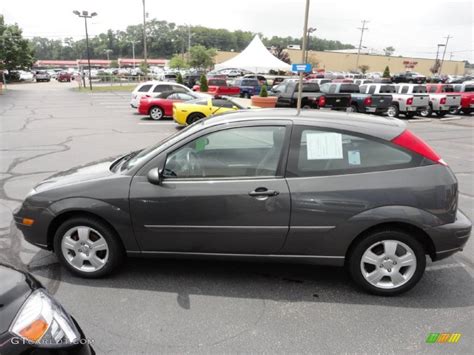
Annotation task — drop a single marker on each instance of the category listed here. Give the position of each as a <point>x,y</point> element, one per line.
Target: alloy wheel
<point>388,264</point>
<point>85,249</point>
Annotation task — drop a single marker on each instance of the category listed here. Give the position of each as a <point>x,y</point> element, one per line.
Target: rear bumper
<point>450,238</point>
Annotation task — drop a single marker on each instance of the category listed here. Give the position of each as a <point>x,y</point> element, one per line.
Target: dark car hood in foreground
<point>15,287</point>
<point>92,171</point>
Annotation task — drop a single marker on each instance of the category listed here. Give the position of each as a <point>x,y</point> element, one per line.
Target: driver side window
<point>235,152</point>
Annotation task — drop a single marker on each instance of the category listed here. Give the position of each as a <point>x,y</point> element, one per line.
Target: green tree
<point>364,68</point>
<point>114,64</point>
<point>389,51</point>
<point>15,51</point>
<point>179,79</point>
<point>178,62</point>
<point>144,68</point>
<point>203,84</point>
<point>386,72</point>
<point>263,91</point>
<point>201,57</point>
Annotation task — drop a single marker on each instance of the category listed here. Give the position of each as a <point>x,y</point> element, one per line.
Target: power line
<point>362,29</point>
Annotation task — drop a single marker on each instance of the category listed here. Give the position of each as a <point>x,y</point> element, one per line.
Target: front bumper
<point>450,238</point>
<point>37,233</point>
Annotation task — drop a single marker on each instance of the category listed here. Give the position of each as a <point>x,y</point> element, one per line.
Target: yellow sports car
<point>185,113</point>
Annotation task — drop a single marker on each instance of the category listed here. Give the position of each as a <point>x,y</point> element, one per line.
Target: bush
<point>203,84</point>
<point>263,91</point>
<point>386,72</point>
<point>179,79</point>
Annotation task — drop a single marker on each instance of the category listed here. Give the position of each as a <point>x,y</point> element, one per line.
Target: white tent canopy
<point>255,58</point>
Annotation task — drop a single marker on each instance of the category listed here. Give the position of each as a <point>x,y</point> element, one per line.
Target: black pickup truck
<point>312,97</point>
<point>365,103</point>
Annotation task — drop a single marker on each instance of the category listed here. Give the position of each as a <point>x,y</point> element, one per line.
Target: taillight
<point>368,101</point>
<point>410,101</point>
<point>322,101</point>
<point>442,101</point>
<point>410,141</point>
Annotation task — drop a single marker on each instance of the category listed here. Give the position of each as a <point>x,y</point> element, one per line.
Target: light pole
<point>437,55</point>
<point>310,30</point>
<point>145,59</point>
<point>107,52</point>
<point>305,31</point>
<point>133,52</point>
<point>85,15</point>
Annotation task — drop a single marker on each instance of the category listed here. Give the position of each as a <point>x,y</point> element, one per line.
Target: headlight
<point>43,321</point>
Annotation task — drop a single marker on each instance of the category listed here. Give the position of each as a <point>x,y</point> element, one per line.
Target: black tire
<point>410,114</point>
<point>466,111</point>
<point>393,111</point>
<point>441,114</point>
<point>249,95</point>
<point>428,112</point>
<point>116,252</point>
<point>353,108</point>
<point>241,95</point>
<point>193,117</point>
<point>156,113</point>
<point>355,257</point>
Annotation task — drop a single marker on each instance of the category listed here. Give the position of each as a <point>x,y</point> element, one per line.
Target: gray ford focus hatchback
<point>330,188</point>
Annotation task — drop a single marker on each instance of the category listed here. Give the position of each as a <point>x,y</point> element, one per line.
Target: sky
<point>412,27</point>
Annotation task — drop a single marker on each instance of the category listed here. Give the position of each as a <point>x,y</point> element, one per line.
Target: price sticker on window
<point>324,145</point>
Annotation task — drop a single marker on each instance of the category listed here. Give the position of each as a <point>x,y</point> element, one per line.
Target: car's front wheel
<point>88,247</point>
<point>393,111</point>
<point>387,262</point>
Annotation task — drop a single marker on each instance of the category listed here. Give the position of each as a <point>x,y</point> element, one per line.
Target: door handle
<point>263,192</point>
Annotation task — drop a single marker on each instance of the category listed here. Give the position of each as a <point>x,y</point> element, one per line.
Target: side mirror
<point>155,176</point>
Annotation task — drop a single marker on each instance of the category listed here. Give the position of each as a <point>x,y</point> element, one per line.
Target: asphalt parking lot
<point>181,306</point>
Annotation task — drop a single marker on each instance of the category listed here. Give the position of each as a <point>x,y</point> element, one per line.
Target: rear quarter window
<point>144,88</point>
<point>316,152</point>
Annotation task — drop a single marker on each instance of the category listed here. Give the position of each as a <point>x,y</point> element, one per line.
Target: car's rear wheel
<point>353,108</point>
<point>196,116</point>
<point>387,262</point>
<point>441,114</point>
<point>410,114</point>
<point>393,111</point>
<point>156,113</point>
<point>88,247</point>
<point>427,112</point>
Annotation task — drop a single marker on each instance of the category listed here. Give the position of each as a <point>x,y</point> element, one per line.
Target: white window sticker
<point>353,156</point>
<point>324,146</point>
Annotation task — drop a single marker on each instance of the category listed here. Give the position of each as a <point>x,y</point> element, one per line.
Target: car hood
<point>91,171</point>
<point>15,288</point>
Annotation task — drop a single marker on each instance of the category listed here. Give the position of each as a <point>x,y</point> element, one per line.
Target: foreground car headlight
<point>42,320</point>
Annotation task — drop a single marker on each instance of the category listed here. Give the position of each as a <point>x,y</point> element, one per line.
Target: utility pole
<point>303,55</point>
<point>145,59</point>
<point>362,29</point>
<point>310,30</point>
<point>444,53</point>
<point>85,15</point>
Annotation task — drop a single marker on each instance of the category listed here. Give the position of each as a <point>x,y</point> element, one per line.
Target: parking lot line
<point>451,118</point>
<point>155,123</point>
<point>420,120</point>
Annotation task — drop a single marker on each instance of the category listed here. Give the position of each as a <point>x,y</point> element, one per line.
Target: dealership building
<point>344,61</point>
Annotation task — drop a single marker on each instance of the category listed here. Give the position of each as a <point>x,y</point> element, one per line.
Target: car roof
<point>382,127</point>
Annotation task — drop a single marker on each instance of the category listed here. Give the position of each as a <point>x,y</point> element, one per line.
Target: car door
<point>335,176</point>
<point>222,191</point>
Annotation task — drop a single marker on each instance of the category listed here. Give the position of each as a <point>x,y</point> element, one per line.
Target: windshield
<point>469,88</point>
<point>147,153</point>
